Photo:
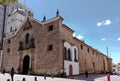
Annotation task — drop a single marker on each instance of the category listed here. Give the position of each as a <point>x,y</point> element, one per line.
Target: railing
<point>26,46</point>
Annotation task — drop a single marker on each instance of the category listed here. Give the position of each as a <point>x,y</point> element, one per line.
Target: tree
<point>4,2</point>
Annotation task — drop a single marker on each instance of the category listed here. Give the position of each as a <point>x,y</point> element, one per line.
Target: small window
<point>9,41</point>
<point>8,50</point>
<point>21,46</point>
<point>15,29</point>
<point>8,15</point>
<point>27,38</point>
<point>81,46</point>
<point>11,29</point>
<point>50,47</point>
<point>88,50</point>
<point>50,28</point>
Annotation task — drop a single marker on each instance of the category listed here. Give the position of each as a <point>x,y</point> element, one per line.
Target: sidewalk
<point>97,77</point>
<point>112,78</point>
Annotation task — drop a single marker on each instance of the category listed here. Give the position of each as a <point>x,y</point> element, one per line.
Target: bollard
<point>35,78</point>
<point>23,79</point>
<point>8,79</point>
<point>108,77</point>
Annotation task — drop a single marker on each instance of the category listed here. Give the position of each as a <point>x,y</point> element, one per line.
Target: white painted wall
<point>13,6</point>
<point>14,21</point>
<point>67,63</point>
<point>68,46</point>
<point>75,66</point>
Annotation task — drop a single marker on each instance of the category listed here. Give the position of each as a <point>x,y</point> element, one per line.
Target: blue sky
<point>97,22</point>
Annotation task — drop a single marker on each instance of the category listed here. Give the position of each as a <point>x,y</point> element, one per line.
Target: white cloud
<point>103,39</point>
<point>79,36</point>
<point>99,24</point>
<point>104,23</point>
<point>107,22</point>
<point>118,39</point>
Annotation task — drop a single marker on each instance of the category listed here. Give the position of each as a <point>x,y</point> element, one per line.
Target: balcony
<point>23,46</point>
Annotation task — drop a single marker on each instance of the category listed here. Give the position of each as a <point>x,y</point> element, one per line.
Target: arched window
<point>69,54</point>
<point>27,38</point>
<point>65,53</point>
<point>75,55</point>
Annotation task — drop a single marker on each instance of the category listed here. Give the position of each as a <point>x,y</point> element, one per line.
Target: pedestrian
<point>35,78</point>
<point>86,74</point>
<point>12,73</point>
<point>3,71</point>
<point>52,75</point>
<point>45,76</point>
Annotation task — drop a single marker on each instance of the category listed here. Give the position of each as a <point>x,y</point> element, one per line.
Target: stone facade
<point>9,23</point>
<point>49,47</point>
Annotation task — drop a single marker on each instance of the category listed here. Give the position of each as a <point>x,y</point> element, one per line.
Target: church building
<point>48,47</point>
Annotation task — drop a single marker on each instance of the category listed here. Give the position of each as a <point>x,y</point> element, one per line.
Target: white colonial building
<point>14,21</point>
<point>15,14</point>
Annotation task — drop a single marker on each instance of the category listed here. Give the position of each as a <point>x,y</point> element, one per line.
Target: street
<point>97,77</point>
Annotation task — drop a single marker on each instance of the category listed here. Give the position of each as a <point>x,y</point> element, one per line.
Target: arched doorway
<point>26,62</point>
<point>70,70</point>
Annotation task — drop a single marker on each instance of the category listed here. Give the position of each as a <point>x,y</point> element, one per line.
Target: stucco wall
<point>75,66</point>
